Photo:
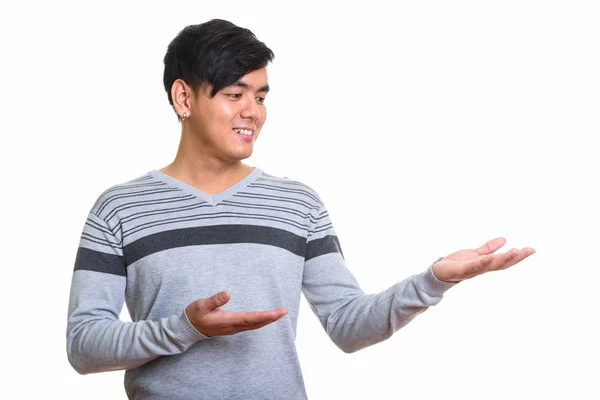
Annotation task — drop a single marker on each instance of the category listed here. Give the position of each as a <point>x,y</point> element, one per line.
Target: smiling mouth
<point>245,132</point>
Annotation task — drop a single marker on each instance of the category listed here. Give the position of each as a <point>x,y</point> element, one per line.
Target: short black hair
<point>216,52</point>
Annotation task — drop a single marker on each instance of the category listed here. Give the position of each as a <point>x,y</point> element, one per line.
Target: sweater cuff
<point>185,332</point>
<point>432,285</point>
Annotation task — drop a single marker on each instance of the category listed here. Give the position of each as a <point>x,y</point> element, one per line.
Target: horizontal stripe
<point>274,197</point>
<point>218,234</point>
<point>315,221</point>
<point>146,203</point>
<point>103,243</point>
<point>321,229</point>
<point>141,178</point>
<point>283,200</point>
<point>94,225</point>
<point>324,245</point>
<point>283,181</point>
<point>286,190</point>
<point>321,216</point>
<point>117,187</point>
<point>128,187</point>
<point>265,207</point>
<point>159,211</point>
<point>141,193</point>
<point>201,217</point>
<point>91,260</point>
<point>102,240</point>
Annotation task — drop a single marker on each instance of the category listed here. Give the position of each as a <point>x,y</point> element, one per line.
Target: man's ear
<point>181,93</point>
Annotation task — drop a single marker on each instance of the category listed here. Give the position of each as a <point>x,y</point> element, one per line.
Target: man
<point>211,255</point>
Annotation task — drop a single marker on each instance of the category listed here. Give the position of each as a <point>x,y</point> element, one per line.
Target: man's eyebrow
<point>264,88</point>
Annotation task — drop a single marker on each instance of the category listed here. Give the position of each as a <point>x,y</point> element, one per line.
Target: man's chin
<point>242,155</point>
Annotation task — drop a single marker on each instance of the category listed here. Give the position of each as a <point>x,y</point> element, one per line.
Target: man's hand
<point>208,318</point>
<point>466,264</point>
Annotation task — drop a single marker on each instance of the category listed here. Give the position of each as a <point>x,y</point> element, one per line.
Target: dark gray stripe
<point>324,245</point>
<point>91,260</point>
<point>219,234</point>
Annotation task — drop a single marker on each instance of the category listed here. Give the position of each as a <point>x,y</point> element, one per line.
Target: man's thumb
<point>217,300</point>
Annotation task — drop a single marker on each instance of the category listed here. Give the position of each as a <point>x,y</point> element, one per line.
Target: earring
<point>184,116</point>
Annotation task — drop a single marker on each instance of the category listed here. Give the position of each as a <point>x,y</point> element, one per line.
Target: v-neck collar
<point>212,199</point>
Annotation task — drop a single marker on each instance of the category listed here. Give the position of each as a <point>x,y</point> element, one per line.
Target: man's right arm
<point>97,340</point>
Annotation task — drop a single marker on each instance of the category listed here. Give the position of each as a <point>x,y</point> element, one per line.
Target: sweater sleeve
<point>97,340</point>
<point>352,319</point>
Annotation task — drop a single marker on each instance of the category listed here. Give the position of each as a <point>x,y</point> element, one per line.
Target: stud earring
<point>184,116</point>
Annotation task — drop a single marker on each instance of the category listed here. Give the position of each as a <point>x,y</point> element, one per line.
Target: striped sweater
<point>157,244</point>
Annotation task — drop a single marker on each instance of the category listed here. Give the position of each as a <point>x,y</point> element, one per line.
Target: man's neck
<point>211,178</point>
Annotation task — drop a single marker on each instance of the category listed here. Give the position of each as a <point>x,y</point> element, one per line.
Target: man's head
<point>216,52</point>
<point>215,73</point>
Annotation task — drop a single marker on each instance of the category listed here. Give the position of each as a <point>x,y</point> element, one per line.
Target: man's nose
<point>251,110</point>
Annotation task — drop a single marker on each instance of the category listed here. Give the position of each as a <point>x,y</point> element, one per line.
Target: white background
<point>426,127</point>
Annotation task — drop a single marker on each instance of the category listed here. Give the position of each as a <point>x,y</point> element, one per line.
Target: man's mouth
<point>247,132</point>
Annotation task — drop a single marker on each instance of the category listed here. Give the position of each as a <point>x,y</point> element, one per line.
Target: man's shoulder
<point>144,183</point>
<point>286,183</point>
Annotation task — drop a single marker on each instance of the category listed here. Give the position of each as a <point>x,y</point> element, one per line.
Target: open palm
<point>466,264</point>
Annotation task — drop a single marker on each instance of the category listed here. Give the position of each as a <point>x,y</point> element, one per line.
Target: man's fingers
<point>502,259</point>
<point>517,256</point>
<point>458,270</point>
<point>476,266</point>
<point>247,325</point>
<point>217,300</point>
<point>491,246</point>
<point>238,321</point>
<point>210,320</point>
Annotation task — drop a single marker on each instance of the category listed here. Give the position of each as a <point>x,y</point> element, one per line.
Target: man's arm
<point>355,320</point>
<point>98,341</point>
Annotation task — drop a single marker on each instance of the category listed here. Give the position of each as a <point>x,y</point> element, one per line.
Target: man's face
<point>229,123</point>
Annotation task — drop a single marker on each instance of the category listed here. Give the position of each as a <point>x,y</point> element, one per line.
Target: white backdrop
<point>426,127</point>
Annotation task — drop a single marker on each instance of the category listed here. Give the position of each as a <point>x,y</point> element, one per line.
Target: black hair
<point>216,52</point>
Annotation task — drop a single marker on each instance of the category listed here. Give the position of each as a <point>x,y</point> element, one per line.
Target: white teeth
<point>247,132</point>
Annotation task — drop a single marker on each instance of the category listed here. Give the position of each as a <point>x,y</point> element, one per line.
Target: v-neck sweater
<point>157,244</point>
<point>212,199</point>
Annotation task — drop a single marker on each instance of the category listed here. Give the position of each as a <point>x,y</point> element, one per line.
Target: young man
<point>211,255</point>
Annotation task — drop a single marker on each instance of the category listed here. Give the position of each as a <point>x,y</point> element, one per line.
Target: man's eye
<point>260,99</point>
<point>235,95</point>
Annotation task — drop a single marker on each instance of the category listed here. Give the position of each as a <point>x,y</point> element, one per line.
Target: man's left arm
<point>355,320</point>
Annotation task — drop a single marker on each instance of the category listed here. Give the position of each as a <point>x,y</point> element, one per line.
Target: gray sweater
<point>158,244</point>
